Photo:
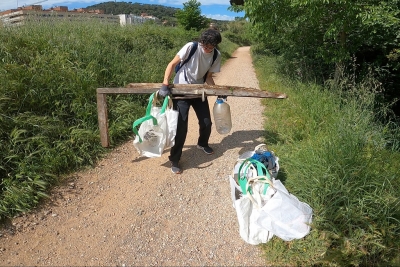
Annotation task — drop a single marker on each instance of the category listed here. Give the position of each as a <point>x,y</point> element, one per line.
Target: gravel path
<point>131,210</point>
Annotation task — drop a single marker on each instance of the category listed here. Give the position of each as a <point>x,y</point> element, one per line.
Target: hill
<point>159,11</point>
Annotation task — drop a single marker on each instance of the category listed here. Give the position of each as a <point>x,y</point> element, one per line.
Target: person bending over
<point>200,67</point>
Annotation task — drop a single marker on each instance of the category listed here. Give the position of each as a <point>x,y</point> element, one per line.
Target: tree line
<point>159,11</point>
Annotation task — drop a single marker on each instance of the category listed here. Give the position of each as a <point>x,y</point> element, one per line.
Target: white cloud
<point>215,2</point>
<point>219,17</point>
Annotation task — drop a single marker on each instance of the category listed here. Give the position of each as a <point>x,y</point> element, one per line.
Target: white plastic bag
<point>247,214</point>
<point>172,124</point>
<point>246,207</point>
<point>263,206</point>
<point>171,117</point>
<point>151,139</point>
<point>284,214</point>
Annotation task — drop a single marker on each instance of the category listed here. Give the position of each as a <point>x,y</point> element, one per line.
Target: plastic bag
<point>172,124</point>
<point>171,116</point>
<point>263,205</point>
<point>247,210</point>
<point>247,215</point>
<point>260,149</point>
<point>151,139</point>
<point>284,214</point>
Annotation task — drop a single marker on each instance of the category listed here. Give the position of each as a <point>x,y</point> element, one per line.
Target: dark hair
<point>210,37</point>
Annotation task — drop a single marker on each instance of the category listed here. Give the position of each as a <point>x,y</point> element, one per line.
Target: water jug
<point>222,116</point>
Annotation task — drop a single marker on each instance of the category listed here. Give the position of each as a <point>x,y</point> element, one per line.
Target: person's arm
<point>164,90</point>
<point>170,69</point>
<point>210,79</point>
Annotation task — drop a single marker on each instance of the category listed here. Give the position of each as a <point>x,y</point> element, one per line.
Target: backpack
<point>191,53</point>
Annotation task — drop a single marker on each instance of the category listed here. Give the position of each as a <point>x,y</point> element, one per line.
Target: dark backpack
<point>191,53</point>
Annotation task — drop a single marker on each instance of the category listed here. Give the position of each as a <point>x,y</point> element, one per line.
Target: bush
<point>239,32</point>
<point>336,156</point>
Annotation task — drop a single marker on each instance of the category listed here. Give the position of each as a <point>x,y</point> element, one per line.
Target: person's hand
<point>164,91</point>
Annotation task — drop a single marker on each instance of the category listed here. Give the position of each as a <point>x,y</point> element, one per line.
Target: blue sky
<point>215,9</point>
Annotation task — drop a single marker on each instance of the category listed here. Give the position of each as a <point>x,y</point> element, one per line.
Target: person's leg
<point>182,106</point>
<point>202,110</point>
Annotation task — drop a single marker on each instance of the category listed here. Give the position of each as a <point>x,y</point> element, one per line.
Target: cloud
<point>219,17</point>
<point>213,2</point>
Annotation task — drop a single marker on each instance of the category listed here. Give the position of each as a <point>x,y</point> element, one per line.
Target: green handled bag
<point>247,203</point>
<point>151,138</point>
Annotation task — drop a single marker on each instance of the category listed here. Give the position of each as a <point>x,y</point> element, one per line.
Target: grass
<point>48,115</point>
<point>336,156</point>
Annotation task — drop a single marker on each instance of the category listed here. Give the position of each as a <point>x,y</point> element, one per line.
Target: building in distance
<point>35,13</point>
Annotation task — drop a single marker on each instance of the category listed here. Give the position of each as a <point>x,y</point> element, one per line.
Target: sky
<point>215,9</point>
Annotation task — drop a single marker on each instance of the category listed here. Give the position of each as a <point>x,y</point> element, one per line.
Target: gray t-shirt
<point>195,69</point>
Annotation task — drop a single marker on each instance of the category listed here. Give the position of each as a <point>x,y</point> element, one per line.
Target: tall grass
<point>48,79</point>
<point>336,156</point>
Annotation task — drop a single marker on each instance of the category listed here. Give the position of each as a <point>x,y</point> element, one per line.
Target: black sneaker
<point>208,150</point>
<point>175,168</point>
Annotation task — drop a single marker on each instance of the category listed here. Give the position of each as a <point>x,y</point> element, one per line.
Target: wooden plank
<point>176,89</point>
<point>193,89</point>
<point>102,116</point>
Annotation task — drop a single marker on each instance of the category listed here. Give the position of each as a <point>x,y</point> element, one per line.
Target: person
<point>197,70</point>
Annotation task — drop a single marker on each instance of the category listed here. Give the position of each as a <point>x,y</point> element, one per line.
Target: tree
<point>190,16</point>
<point>329,34</point>
<point>161,12</point>
<point>334,30</point>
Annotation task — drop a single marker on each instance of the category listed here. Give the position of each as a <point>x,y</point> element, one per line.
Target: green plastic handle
<point>150,104</point>
<point>260,168</point>
<point>148,115</point>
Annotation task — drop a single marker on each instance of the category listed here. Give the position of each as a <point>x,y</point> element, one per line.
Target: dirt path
<point>130,210</point>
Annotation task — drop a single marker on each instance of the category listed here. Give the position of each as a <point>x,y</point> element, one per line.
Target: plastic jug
<point>222,116</point>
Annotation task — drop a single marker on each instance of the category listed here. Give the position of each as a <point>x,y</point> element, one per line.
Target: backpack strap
<point>191,53</point>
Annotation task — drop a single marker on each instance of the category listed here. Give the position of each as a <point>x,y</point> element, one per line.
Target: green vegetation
<point>48,80</point>
<point>336,152</point>
<point>319,39</point>
<point>337,135</point>
<point>190,16</point>
<point>159,11</point>
<point>337,157</point>
<point>239,31</point>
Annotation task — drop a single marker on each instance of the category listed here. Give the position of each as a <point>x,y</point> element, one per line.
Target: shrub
<point>338,157</point>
